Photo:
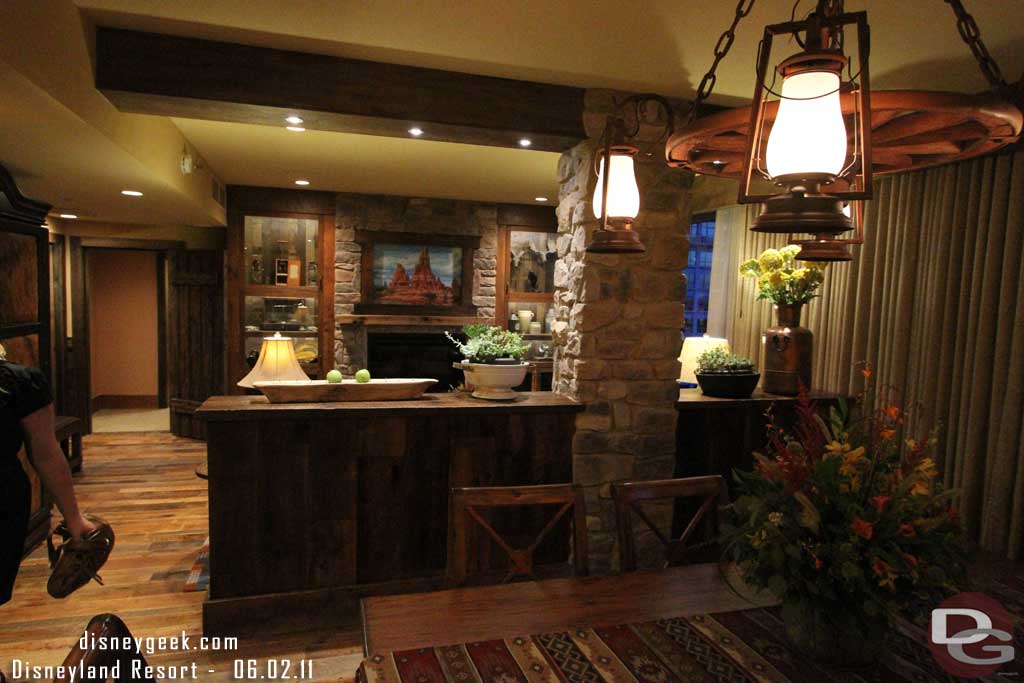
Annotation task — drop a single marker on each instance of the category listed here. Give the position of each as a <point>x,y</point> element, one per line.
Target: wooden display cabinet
<point>25,314</point>
<point>280,276</point>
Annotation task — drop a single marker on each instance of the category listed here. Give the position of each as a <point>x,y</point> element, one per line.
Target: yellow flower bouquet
<point>780,280</point>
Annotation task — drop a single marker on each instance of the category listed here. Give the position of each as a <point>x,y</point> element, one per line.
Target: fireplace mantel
<point>412,320</point>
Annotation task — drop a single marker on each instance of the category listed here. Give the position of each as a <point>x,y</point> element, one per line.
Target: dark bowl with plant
<point>724,375</point>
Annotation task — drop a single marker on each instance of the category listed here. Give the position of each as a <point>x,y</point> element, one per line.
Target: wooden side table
<point>718,435</point>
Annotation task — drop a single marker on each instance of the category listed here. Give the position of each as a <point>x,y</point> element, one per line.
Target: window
<point>698,274</point>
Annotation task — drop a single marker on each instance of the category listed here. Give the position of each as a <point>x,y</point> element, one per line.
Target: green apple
<point>334,377</point>
<point>363,376</point>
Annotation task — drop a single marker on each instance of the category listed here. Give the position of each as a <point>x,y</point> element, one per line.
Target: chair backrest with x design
<point>711,492</point>
<point>469,502</point>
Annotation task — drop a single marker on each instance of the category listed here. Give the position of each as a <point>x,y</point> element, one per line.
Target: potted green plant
<point>725,375</point>
<point>493,360</point>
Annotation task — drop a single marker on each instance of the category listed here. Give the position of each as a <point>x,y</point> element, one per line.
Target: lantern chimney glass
<point>809,135</point>
<point>623,193</point>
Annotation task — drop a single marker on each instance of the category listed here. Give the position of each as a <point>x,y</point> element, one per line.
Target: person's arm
<point>50,464</point>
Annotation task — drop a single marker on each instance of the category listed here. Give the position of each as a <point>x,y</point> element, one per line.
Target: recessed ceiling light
<point>294,120</point>
<point>415,131</point>
<point>525,142</point>
<point>69,215</point>
<point>131,193</point>
<point>295,129</point>
<point>302,182</point>
<point>718,162</point>
<point>540,199</point>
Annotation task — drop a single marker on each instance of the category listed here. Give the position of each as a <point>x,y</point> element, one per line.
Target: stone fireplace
<point>414,354</point>
<point>405,215</point>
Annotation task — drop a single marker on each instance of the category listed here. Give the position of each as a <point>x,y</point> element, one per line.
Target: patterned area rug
<point>732,647</point>
<point>199,578</point>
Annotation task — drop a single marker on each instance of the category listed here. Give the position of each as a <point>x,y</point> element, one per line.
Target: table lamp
<point>277,363</point>
<point>692,348</point>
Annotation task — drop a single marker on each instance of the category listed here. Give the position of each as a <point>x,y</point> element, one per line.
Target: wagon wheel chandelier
<point>809,135</point>
<point>818,133</point>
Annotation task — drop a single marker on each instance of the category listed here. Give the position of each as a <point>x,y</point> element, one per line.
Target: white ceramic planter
<point>494,382</point>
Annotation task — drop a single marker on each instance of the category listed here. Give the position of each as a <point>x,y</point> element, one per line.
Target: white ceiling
<point>655,45</point>
<point>247,154</point>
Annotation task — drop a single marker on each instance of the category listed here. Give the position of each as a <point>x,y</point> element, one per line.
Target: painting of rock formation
<point>414,275</point>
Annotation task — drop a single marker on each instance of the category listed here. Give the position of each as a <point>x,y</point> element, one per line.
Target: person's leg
<point>15,498</point>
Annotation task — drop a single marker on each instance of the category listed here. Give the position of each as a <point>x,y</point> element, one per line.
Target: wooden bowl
<point>321,391</point>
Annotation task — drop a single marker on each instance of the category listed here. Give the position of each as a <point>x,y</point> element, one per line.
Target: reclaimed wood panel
<point>195,344</point>
<point>323,501</point>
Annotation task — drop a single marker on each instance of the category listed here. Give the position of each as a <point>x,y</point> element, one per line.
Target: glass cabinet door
<point>281,251</point>
<point>281,286</point>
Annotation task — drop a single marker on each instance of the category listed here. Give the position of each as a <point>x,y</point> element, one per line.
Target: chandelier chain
<point>971,35</point>
<point>725,41</point>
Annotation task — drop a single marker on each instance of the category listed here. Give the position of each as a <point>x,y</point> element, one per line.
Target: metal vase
<point>787,353</point>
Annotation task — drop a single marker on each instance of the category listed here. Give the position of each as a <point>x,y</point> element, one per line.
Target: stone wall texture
<point>404,214</point>
<point>617,336</point>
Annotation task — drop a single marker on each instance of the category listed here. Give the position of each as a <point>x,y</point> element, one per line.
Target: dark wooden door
<point>195,336</point>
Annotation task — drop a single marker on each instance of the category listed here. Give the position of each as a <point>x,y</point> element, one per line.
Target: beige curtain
<point>934,300</point>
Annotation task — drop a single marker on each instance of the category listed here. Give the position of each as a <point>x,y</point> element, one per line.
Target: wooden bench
<point>68,432</point>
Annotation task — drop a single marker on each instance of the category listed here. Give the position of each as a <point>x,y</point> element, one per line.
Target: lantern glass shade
<point>623,192</point>
<point>277,363</point>
<point>809,135</point>
<point>693,347</point>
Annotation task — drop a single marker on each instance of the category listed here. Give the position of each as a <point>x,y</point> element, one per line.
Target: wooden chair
<point>108,627</point>
<point>468,502</point>
<point>711,491</point>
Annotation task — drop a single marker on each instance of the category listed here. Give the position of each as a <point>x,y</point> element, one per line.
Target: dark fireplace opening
<point>420,354</point>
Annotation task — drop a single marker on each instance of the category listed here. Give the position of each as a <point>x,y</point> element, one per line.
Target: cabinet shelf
<point>284,333</point>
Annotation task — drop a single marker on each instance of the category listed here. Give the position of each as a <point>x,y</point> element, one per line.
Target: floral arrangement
<point>487,343</point>
<point>846,519</point>
<point>717,361</point>
<point>780,280</point>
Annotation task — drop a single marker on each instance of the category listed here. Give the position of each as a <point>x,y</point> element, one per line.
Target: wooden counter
<point>314,505</point>
<point>715,435</point>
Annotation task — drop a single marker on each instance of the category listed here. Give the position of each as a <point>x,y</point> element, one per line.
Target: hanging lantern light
<point>809,151</point>
<point>617,196</point>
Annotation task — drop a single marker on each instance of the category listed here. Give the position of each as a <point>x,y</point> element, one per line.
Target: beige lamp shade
<point>692,348</point>
<point>277,363</point>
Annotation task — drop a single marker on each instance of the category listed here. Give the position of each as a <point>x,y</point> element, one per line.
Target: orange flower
<point>910,560</point>
<point>892,412</point>
<point>866,371</point>
<point>907,530</point>
<point>862,528</point>
<point>885,573</point>
<point>887,433</point>
<point>881,503</point>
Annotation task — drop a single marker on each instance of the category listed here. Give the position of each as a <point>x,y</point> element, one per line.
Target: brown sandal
<point>75,562</point>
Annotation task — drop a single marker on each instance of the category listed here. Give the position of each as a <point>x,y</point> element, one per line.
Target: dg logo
<point>972,636</point>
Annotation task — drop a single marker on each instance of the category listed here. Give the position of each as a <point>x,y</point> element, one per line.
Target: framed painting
<point>532,256</point>
<point>407,273</point>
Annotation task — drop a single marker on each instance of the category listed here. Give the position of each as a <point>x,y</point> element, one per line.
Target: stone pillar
<point>617,336</point>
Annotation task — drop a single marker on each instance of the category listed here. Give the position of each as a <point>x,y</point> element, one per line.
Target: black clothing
<point>23,391</point>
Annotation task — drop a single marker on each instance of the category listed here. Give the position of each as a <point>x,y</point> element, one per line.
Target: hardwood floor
<point>145,485</point>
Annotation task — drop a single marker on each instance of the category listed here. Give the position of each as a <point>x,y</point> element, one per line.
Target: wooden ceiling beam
<point>148,73</point>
